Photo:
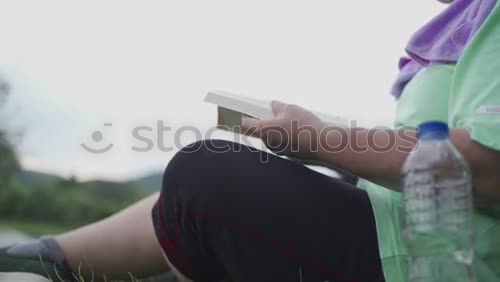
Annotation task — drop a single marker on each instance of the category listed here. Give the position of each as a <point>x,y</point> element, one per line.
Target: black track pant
<point>228,211</point>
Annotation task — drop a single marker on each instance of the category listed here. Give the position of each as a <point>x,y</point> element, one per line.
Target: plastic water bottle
<point>438,209</point>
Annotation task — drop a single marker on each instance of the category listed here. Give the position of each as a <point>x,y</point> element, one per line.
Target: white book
<point>232,107</point>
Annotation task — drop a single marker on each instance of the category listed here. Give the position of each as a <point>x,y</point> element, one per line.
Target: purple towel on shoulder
<point>442,40</point>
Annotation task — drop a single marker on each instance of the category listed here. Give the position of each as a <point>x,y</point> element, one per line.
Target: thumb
<point>250,126</point>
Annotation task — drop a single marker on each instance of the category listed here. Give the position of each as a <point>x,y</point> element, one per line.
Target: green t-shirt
<point>465,95</point>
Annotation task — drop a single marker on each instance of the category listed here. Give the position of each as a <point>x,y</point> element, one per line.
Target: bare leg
<point>116,246</point>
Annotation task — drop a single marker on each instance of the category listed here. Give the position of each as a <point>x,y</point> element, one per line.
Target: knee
<point>201,155</point>
<point>200,163</point>
<point>208,146</point>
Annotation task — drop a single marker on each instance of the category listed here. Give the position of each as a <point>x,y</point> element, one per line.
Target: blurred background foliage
<point>38,203</point>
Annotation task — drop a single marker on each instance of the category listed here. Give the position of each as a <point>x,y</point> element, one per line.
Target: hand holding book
<point>291,130</point>
<point>273,121</point>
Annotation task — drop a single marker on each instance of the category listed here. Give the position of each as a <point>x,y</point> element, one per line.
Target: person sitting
<point>223,213</point>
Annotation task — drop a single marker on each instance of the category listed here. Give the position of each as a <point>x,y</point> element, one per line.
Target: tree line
<point>66,201</point>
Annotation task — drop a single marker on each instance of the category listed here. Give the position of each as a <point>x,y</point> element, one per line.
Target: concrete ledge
<point>21,277</point>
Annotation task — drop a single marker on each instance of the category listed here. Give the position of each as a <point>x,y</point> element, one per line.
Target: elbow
<point>486,191</point>
<point>485,169</point>
<point>484,163</point>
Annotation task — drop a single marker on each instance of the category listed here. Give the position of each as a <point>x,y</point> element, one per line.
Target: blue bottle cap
<point>432,130</point>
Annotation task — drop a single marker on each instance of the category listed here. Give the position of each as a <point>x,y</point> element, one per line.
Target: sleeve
<point>475,91</point>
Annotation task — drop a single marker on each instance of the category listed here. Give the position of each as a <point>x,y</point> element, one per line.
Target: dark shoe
<point>35,265</point>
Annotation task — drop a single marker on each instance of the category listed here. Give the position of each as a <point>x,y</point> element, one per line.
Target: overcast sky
<point>76,65</point>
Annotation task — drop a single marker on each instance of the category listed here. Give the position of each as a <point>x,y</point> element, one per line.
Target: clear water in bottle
<point>438,209</point>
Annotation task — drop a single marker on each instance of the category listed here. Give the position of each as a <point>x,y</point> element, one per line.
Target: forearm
<point>373,154</point>
<point>485,166</point>
<point>378,155</point>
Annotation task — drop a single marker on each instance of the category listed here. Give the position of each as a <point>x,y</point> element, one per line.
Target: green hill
<point>34,197</point>
<point>147,184</point>
<point>29,178</point>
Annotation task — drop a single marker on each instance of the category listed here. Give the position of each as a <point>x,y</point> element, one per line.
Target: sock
<point>43,256</point>
<point>46,247</point>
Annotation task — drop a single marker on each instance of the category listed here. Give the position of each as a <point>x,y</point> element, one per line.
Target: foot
<point>34,265</point>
